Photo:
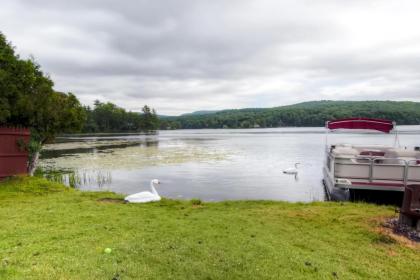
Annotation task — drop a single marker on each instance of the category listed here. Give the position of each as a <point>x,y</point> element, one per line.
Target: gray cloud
<point>186,55</point>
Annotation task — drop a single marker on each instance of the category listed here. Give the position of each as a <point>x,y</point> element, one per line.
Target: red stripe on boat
<point>378,184</point>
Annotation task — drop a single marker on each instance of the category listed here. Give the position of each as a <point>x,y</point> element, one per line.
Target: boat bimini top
<point>362,123</point>
<point>381,125</point>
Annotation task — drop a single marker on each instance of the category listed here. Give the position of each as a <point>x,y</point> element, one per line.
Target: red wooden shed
<point>13,151</point>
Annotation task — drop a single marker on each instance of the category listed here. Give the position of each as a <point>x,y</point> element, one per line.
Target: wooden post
<point>408,215</point>
<point>406,220</point>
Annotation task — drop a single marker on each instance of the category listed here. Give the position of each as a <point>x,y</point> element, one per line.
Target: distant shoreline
<point>402,129</point>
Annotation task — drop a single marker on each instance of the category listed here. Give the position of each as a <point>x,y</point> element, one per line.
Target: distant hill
<point>199,113</point>
<point>313,113</point>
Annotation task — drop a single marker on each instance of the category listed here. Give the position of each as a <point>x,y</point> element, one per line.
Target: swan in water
<point>143,197</point>
<point>292,170</point>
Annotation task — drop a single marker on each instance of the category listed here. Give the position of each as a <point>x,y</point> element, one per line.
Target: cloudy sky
<point>179,56</point>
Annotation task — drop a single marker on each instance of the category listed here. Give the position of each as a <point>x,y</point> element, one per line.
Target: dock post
<point>406,220</point>
<point>409,212</point>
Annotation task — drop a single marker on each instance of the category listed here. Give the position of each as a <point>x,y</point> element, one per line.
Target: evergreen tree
<point>27,99</point>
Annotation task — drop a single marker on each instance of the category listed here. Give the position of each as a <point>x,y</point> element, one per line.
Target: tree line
<point>314,113</point>
<point>108,117</point>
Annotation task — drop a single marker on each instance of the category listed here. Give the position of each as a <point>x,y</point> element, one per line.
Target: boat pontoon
<point>357,167</point>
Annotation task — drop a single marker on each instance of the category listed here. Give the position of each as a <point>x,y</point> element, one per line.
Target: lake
<point>210,164</point>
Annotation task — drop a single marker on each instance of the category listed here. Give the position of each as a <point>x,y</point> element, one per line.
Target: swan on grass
<point>292,170</point>
<point>143,197</point>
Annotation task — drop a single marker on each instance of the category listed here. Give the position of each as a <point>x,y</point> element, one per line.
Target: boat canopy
<point>362,123</point>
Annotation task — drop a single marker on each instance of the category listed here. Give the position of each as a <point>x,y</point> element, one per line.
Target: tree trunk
<point>33,163</point>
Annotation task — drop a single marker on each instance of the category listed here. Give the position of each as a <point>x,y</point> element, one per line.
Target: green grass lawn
<point>51,232</point>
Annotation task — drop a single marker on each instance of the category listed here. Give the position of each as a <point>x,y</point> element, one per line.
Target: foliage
<point>52,232</point>
<point>27,98</point>
<point>314,113</point>
<point>196,201</point>
<point>108,117</point>
<point>150,119</point>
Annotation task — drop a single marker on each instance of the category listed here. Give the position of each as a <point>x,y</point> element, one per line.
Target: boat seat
<point>403,154</point>
<point>345,151</point>
<point>372,153</point>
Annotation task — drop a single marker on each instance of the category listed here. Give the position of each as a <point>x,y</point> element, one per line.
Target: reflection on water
<point>207,164</point>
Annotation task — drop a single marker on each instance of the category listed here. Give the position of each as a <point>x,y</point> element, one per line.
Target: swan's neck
<point>152,186</point>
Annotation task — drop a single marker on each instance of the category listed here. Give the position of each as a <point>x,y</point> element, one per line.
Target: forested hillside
<point>313,113</point>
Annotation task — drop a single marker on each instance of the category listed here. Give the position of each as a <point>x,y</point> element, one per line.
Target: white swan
<point>143,197</point>
<point>292,170</point>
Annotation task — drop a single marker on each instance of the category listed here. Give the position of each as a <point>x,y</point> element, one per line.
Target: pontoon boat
<point>357,167</point>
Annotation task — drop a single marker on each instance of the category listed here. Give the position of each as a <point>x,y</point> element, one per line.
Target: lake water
<point>208,164</point>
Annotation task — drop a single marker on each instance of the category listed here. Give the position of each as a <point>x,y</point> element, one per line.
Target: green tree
<point>27,99</point>
<point>150,120</point>
<point>108,117</point>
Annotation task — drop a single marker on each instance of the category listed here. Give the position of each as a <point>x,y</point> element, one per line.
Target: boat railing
<point>368,168</point>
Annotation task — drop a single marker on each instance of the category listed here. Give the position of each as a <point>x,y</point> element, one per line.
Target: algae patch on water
<point>127,155</point>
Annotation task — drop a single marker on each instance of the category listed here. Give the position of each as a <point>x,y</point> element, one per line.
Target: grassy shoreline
<point>52,232</point>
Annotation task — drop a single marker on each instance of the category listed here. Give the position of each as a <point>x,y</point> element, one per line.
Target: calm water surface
<point>208,164</point>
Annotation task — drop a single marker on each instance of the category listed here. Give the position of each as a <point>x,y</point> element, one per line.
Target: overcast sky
<point>181,56</point>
